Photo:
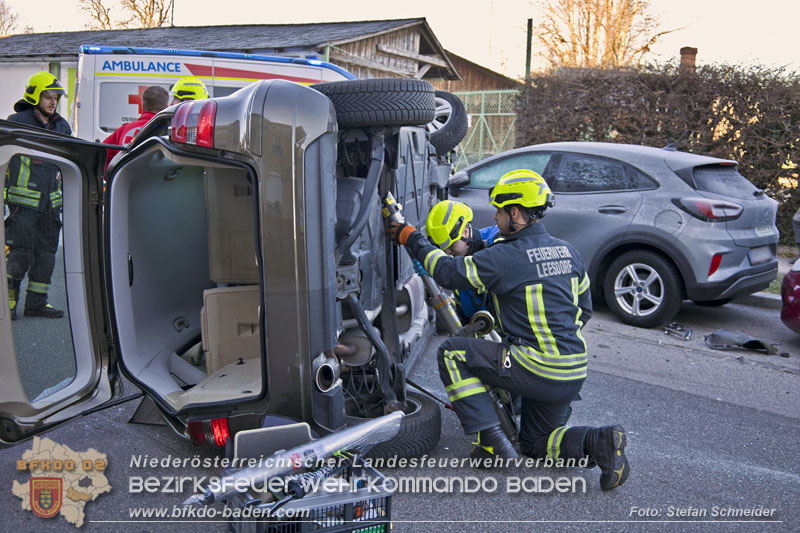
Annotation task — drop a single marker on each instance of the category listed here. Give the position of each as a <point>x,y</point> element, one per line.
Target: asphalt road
<point>706,430</point>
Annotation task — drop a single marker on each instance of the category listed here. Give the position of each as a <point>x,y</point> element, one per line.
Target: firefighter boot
<point>492,443</point>
<point>606,445</point>
<point>36,305</point>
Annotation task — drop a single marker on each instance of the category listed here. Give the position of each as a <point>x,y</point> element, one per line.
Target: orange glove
<point>400,233</point>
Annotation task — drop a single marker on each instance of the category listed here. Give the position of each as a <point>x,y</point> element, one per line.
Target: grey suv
<point>655,226</point>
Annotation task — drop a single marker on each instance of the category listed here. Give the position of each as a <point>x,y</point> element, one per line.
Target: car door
<point>596,200</point>
<point>475,192</point>
<point>51,369</point>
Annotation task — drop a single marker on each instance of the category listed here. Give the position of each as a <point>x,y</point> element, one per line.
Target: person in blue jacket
<point>449,227</point>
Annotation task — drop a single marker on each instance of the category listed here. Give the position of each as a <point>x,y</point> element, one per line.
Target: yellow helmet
<point>521,187</point>
<point>41,81</point>
<point>446,222</point>
<point>189,88</point>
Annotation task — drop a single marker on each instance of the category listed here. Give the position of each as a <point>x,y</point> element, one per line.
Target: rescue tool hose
<point>373,174</point>
<point>384,361</point>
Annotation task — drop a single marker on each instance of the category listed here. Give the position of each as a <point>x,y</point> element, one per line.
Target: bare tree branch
<point>100,15</point>
<point>596,33</point>
<point>8,19</point>
<point>146,13</point>
<point>136,13</point>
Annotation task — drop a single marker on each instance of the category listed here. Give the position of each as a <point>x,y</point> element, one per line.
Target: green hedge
<point>750,114</point>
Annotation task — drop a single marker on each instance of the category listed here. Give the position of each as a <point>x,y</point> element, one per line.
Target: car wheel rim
<point>639,290</point>
<point>443,112</point>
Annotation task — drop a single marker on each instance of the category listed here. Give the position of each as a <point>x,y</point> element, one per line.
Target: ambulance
<point>111,79</point>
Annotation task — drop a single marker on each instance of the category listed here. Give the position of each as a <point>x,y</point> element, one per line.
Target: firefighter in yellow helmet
<point>540,293</point>
<point>32,191</point>
<point>188,88</point>
<point>449,227</point>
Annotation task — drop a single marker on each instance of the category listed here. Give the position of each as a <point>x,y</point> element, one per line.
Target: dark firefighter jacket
<point>31,183</point>
<point>540,291</point>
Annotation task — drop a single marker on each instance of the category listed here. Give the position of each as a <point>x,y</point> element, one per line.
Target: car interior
<point>185,278</point>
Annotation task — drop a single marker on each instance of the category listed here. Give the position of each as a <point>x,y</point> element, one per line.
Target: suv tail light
<point>709,210</point>
<point>193,123</point>
<point>214,432</point>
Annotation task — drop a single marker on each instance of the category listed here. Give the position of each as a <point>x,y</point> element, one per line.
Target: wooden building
<point>475,78</point>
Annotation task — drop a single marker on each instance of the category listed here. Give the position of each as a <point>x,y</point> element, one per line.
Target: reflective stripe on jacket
<point>540,291</point>
<point>28,181</point>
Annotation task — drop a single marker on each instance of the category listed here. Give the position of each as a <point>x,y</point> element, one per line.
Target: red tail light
<point>178,132</point>
<point>214,432</point>
<point>709,210</point>
<point>193,123</point>
<point>715,261</point>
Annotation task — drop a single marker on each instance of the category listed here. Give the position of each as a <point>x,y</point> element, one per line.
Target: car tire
<point>419,432</point>
<point>449,126</point>
<point>643,289</point>
<point>380,102</point>
<point>713,303</point>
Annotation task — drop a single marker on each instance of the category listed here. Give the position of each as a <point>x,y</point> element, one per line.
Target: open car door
<point>52,368</point>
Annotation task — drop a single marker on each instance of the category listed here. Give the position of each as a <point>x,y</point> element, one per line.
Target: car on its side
<point>235,267</point>
<point>655,226</point>
<point>790,298</point>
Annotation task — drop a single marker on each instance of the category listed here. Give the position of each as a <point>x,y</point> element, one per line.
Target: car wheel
<point>420,430</point>
<point>449,126</point>
<point>643,289</point>
<point>380,102</point>
<point>713,303</point>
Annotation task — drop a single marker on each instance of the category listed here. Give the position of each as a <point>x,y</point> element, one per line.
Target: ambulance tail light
<point>193,123</point>
<point>209,432</point>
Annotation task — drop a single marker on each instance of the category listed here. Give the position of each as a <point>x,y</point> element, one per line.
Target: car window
<point>640,180</point>
<point>723,179</point>
<point>582,173</point>
<point>486,177</point>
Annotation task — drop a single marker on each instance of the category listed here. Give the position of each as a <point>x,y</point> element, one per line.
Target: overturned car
<point>234,265</point>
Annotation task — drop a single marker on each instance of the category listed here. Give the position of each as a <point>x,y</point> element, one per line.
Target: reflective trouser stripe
<point>459,387</point>
<point>465,388</point>
<point>472,274</point>
<point>41,288</point>
<point>431,259</point>
<point>554,442</point>
<point>538,320</point>
<point>557,374</point>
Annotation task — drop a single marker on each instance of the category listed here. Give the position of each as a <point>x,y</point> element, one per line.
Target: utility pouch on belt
<point>504,358</point>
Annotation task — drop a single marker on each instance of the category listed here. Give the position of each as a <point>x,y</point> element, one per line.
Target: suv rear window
<point>723,179</point>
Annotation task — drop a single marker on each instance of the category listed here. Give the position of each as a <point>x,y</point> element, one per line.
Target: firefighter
<point>33,195</point>
<point>540,293</point>
<point>188,88</point>
<point>449,227</point>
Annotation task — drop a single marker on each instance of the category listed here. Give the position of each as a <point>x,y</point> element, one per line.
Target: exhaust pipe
<point>326,373</point>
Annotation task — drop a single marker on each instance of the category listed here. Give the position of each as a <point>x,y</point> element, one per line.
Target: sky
<point>492,33</point>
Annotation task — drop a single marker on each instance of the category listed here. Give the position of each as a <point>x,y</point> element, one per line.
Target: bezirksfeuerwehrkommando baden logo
<point>62,480</point>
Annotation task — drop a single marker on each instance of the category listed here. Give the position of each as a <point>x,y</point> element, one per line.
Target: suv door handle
<point>611,209</point>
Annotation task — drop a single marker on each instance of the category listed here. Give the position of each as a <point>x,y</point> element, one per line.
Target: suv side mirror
<point>456,181</point>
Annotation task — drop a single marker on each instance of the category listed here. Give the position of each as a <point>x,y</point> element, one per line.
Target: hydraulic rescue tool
<point>481,324</point>
<point>392,211</point>
<point>360,439</point>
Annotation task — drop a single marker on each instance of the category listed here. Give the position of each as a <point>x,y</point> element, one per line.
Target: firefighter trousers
<point>32,239</point>
<point>467,366</point>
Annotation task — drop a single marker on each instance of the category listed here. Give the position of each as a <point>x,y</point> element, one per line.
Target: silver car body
<point>644,212</point>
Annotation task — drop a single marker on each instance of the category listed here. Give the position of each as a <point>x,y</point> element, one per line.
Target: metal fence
<point>492,120</point>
